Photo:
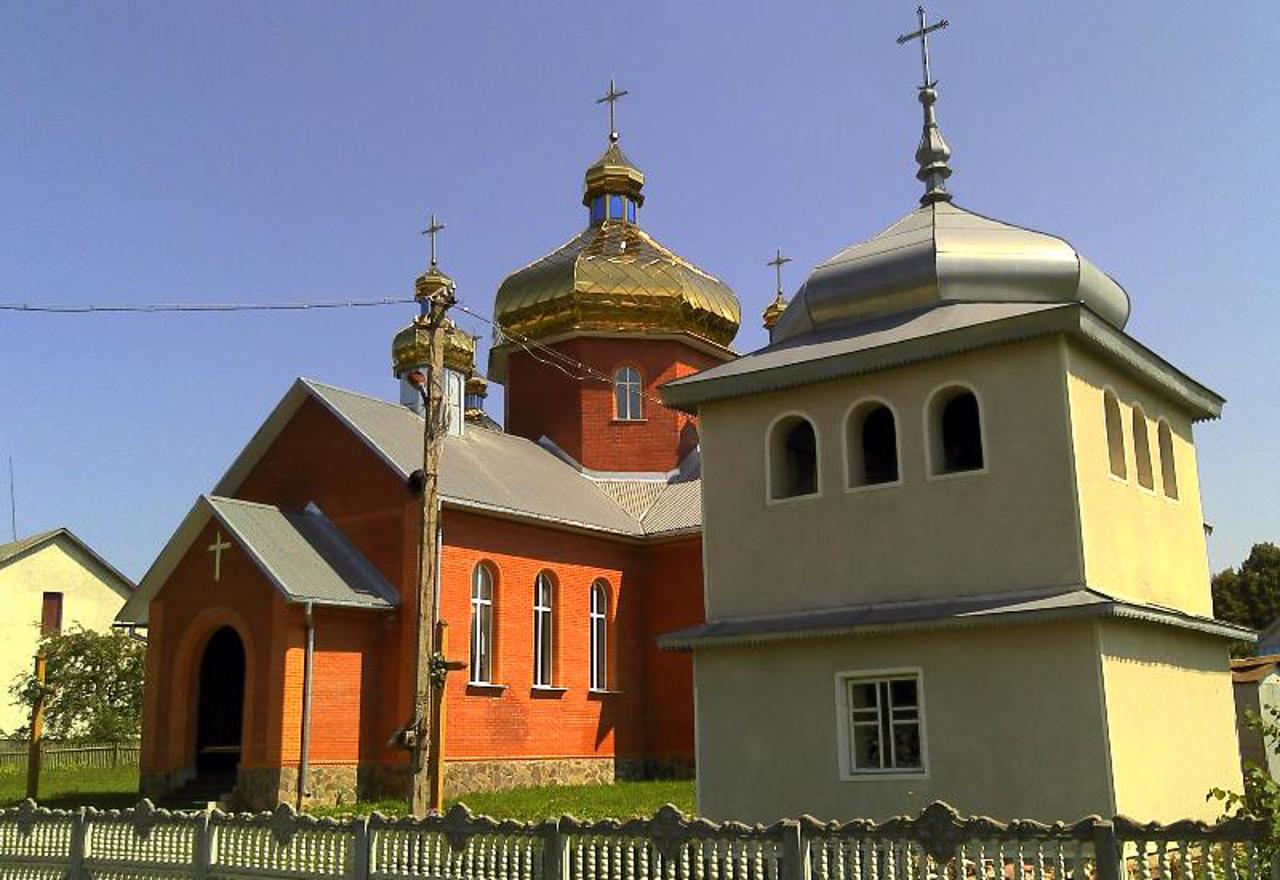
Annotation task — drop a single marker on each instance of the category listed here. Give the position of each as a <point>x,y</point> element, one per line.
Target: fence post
<point>361,847</point>
<point>795,855</point>
<point>555,853</point>
<point>79,832</point>
<point>1106,851</point>
<point>202,851</point>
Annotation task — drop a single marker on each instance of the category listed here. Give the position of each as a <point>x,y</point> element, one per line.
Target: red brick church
<point>281,613</point>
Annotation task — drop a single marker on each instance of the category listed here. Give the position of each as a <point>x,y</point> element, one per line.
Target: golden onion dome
<point>614,276</point>
<point>773,311</point>
<point>411,347</point>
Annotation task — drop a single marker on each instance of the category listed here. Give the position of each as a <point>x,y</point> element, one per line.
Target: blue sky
<point>290,151</point>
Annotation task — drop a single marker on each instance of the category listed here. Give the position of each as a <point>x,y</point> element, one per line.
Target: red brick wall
<point>673,600</point>
<point>579,415</point>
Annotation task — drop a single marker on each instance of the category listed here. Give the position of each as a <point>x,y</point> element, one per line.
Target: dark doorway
<point>221,708</point>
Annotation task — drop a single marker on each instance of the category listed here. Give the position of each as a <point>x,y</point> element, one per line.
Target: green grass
<point>107,788</point>
<point>118,787</point>
<point>622,800</point>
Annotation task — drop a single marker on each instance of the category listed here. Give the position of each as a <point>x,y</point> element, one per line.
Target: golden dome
<point>411,348</point>
<point>773,311</point>
<point>614,276</point>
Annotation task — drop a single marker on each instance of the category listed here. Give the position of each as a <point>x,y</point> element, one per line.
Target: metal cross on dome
<point>219,544</point>
<point>611,97</point>
<point>778,262</point>
<point>432,228</point>
<point>922,34</point>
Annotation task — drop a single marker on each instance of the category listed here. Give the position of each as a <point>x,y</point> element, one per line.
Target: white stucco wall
<point>88,599</point>
<point>1013,725</point>
<point>1011,527</point>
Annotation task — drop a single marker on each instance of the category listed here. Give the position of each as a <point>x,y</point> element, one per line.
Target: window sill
<point>956,475</point>
<point>627,421</point>
<point>547,691</point>
<point>486,688</point>
<point>791,499</point>
<point>873,487</point>
<point>884,775</point>
<point>598,693</point>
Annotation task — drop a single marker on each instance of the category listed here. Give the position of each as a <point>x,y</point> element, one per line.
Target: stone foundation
<point>155,784</point>
<point>261,788</point>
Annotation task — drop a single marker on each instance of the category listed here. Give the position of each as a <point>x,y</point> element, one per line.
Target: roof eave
<point>1074,320</point>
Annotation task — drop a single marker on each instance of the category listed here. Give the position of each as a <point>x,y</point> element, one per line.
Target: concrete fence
<point>937,845</point>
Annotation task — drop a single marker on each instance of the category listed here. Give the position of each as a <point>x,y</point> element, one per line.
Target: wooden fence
<point>937,845</point>
<point>72,757</point>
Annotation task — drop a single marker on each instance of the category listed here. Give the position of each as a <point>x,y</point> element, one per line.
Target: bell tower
<point>587,333</point>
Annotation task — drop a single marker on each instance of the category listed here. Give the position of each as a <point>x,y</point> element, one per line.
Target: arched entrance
<point>220,710</point>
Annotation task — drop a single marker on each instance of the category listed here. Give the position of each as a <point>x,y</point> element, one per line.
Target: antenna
<point>13,504</point>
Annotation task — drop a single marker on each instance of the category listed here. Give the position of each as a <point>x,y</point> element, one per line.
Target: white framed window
<point>791,458</point>
<point>599,621</point>
<point>482,625</point>
<point>881,717</point>
<point>954,420</point>
<point>626,394</point>
<point>543,629</point>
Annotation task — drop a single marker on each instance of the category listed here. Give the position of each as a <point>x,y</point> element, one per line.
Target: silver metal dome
<point>939,254</point>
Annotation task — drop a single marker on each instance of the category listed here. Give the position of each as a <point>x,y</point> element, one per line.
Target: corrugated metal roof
<point>304,554</point>
<point>22,545</point>
<point>490,470</point>
<point>14,549</point>
<point>1034,605</point>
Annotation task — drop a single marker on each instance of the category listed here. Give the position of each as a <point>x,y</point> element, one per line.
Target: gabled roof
<point>482,470</point>
<point>301,552</point>
<point>15,550</point>
<point>1050,604</point>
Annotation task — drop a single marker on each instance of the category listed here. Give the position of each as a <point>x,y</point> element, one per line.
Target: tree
<point>93,686</point>
<point>1250,595</point>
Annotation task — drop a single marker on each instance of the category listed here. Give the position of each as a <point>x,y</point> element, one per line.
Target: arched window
<point>626,394</point>
<point>793,458</point>
<point>1168,467</point>
<point>481,625</point>
<point>543,629</point>
<point>599,636</point>
<point>871,443</point>
<point>1142,450</point>
<point>955,425</point>
<point>1115,434</point>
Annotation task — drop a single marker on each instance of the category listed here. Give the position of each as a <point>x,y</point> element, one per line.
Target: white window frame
<point>481,667</point>
<point>599,636</point>
<point>845,724</point>
<point>932,419</point>
<point>628,390</point>
<point>544,631</point>
<point>769,459</point>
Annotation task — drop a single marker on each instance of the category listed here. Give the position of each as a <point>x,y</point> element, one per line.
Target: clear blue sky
<point>286,151</point>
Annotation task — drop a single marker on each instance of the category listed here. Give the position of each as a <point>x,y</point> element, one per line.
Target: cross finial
<point>777,263</point>
<point>611,97</point>
<point>922,34</point>
<point>933,153</point>
<point>433,228</point>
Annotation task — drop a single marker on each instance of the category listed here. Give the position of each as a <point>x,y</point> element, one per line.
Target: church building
<point>954,537</point>
<point>281,614</point>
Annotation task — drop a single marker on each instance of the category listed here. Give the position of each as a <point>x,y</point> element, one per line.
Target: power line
<point>152,308</point>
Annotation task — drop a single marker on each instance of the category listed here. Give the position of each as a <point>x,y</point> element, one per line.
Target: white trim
<point>897,444</point>
<point>485,638</point>
<point>768,463</point>
<point>843,739</point>
<point>638,395</point>
<point>598,678</point>
<point>544,617</point>
<point>928,432</point>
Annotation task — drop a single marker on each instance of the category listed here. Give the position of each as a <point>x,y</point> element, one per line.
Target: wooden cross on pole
<point>922,34</point>
<point>434,227</point>
<point>612,97</point>
<point>777,263</point>
<point>216,549</point>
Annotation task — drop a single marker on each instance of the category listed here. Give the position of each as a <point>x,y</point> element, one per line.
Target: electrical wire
<point>152,308</point>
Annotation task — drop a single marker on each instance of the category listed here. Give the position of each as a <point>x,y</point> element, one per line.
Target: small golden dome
<point>614,276</point>
<point>411,347</point>
<point>773,311</point>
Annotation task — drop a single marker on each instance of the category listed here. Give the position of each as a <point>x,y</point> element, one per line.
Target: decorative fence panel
<point>146,842</point>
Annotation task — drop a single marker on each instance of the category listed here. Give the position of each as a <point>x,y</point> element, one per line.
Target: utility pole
<point>35,745</point>
<point>435,294</point>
